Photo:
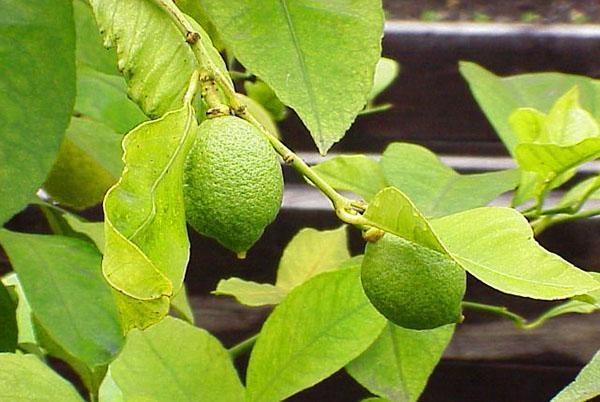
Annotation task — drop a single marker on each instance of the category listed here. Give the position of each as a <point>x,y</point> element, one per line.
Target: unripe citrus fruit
<point>411,285</point>
<point>233,184</point>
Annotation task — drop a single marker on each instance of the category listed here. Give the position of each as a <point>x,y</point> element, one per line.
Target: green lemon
<point>411,285</point>
<point>76,179</point>
<point>233,184</point>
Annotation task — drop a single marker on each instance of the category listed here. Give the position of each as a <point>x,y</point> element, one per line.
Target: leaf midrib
<point>187,393</point>
<point>318,336</point>
<point>507,276</point>
<point>303,69</point>
<point>186,132</point>
<point>398,362</point>
<point>68,308</point>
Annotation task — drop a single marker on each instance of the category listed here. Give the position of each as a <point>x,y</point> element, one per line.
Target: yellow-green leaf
<point>152,54</point>
<point>172,361</point>
<point>500,96</point>
<point>356,173</point>
<point>319,328</point>
<point>147,247</point>
<point>393,212</point>
<point>398,364</point>
<point>24,378</point>
<point>437,189</point>
<point>250,293</point>
<point>309,253</point>
<point>586,386</point>
<point>496,245</point>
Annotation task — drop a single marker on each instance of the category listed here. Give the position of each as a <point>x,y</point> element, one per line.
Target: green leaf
<point>586,386</point>
<point>310,253</point>
<point>64,223</point>
<point>263,94</point>
<point>567,122</point>
<point>180,304</point>
<point>553,144</point>
<point>91,377</point>
<point>37,91</point>
<point>358,174</point>
<point>68,296</point>
<point>532,185</point>
<point>496,245</point>
<point>24,378</point>
<point>588,189</point>
<point>103,98</point>
<point>8,318</point>
<point>386,72</point>
<point>24,318</point>
<point>90,51</point>
<point>172,361</point>
<point>394,213</point>
<point>260,294</point>
<point>499,97</point>
<point>306,61</point>
<point>157,71</point>
<point>319,328</point>
<point>585,304</point>
<point>92,230</point>
<point>550,160</point>
<point>88,164</point>
<point>99,142</point>
<point>147,248</point>
<point>398,364</point>
<point>250,293</point>
<point>437,189</point>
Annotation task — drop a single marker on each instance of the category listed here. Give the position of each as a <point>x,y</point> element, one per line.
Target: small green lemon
<point>411,285</point>
<point>76,179</point>
<point>233,184</point>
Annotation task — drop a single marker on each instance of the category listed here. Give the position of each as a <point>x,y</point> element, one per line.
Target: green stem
<point>192,38</point>
<point>242,347</point>
<point>519,321</point>
<point>375,109</point>
<point>342,205</point>
<point>539,225</point>
<point>550,211</point>
<point>192,88</point>
<point>239,75</point>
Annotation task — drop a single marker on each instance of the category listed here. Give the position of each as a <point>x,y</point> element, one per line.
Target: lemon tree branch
<point>345,208</point>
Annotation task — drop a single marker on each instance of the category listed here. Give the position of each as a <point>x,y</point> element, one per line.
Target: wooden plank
<point>569,340</point>
<point>432,103</point>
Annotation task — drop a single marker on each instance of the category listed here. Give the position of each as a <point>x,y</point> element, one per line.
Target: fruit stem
<point>519,321</point>
<point>242,347</point>
<point>343,206</point>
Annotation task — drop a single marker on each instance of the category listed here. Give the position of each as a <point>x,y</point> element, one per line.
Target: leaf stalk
<point>518,320</point>
<point>242,347</point>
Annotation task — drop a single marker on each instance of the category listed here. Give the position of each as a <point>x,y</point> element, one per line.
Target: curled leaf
<point>147,247</point>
